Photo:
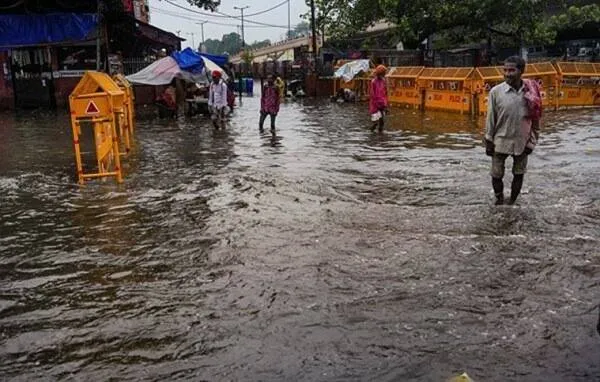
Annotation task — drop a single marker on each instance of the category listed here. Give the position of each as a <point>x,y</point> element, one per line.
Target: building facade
<point>48,47</point>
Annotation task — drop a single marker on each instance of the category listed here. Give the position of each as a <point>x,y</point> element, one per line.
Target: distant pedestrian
<point>230,85</point>
<point>269,102</point>
<point>167,101</point>
<point>280,85</point>
<point>217,100</point>
<point>378,101</point>
<point>512,126</point>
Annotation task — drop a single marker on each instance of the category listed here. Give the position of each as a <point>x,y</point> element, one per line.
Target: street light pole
<point>289,23</point>
<point>242,11</point>
<point>98,31</point>
<point>193,42</point>
<point>314,29</point>
<point>202,29</point>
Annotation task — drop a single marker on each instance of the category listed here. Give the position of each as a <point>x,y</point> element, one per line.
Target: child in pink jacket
<point>378,101</point>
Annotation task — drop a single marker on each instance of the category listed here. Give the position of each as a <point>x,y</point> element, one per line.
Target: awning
<point>162,72</point>
<point>351,69</point>
<point>48,29</point>
<point>156,34</point>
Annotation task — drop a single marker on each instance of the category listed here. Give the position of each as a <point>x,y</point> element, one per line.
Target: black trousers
<point>263,116</point>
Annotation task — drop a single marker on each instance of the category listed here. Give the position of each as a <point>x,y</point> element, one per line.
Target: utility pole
<point>98,32</point>
<point>314,29</point>
<point>289,35</point>
<point>202,29</point>
<point>193,42</point>
<point>241,9</point>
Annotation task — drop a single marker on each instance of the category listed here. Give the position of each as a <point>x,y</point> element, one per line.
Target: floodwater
<point>324,252</point>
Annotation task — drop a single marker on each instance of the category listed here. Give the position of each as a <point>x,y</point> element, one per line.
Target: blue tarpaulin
<point>33,29</point>
<point>219,60</point>
<point>189,60</point>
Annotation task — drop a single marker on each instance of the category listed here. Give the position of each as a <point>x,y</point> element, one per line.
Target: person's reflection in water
<point>271,139</point>
<point>275,140</point>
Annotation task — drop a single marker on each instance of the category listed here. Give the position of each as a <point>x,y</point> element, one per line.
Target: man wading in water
<point>512,126</point>
<point>217,100</point>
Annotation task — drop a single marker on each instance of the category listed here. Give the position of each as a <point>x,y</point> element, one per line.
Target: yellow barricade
<point>579,84</point>
<point>547,77</point>
<point>486,78</point>
<point>359,84</point>
<point>402,85</point>
<point>339,83</point>
<point>94,101</point>
<point>363,85</point>
<point>447,88</point>
<point>126,115</point>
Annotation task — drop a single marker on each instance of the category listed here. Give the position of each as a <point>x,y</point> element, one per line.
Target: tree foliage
<point>302,29</point>
<point>340,18</point>
<point>209,5</point>
<point>231,44</point>
<point>456,21</point>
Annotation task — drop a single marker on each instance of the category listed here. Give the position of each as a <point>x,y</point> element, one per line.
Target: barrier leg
<point>116,152</point>
<point>76,144</point>
<point>556,93</point>
<point>130,116</point>
<point>124,129</point>
<point>100,136</point>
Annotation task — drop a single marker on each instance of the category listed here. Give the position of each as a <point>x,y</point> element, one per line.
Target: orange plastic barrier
<point>447,88</point>
<point>486,78</point>
<point>402,85</point>
<point>579,84</point>
<point>547,77</point>
<point>125,117</point>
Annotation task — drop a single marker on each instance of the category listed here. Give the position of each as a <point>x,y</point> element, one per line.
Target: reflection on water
<point>321,251</point>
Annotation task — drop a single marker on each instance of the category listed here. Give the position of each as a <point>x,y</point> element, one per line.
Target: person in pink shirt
<point>378,101</point>
<point>269,102</point>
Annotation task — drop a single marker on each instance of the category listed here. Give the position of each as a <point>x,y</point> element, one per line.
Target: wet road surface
<point>324,252</point>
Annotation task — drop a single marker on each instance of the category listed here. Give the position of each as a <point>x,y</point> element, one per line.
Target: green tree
<point>302,29</point>
<point>339,19</point>
<point>214,46</point>
<point>576,17</point>
<point>247,57</point>
<point>260,44</point>
<point>457,21</point>
<point>209,5</point>
<point>231,43</point>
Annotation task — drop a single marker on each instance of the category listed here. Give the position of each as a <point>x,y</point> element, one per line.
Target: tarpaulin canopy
<point>219,60</point>
<point>351,69</point>
<point>189,60</point>
<point>36,29</point>
<point>163,71</point>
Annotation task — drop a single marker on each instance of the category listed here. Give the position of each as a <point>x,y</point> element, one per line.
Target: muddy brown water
<point>323,252</point>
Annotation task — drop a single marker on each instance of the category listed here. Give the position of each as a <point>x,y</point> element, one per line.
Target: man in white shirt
<point>510,129</point>
<point>217,100</point>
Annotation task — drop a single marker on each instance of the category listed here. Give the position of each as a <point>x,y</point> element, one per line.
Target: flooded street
<point>324,252</point>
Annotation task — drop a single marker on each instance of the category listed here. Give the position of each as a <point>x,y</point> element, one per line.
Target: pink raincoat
<point>377,95</point>
<point>269,100</point>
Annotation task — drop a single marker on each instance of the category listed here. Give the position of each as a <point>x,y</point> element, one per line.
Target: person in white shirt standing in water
<point>217,100</point>
<point>512,126</point>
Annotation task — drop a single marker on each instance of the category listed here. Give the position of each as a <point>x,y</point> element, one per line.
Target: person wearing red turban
<point>217,100</point>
